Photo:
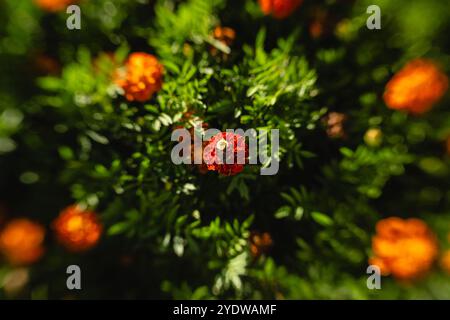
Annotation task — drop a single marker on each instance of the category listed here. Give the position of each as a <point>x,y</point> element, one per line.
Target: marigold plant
<point>304,138</point>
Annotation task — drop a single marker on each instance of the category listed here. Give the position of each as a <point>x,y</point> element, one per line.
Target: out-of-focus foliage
<point>67,136</point>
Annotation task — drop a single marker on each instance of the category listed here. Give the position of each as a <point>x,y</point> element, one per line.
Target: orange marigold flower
<point>141,77</point>
<point>77,229</point>
<point>445,261</point>
<point>225,35</point>
<point>21,241</point>
<point>404,248</point>
<point>416,87</point>
<point>279,8</point>
<point>259,242</point>
<point>54,5</point>
<point>381,264</point>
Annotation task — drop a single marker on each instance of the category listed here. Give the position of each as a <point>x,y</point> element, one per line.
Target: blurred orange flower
<point>321,24</point>
<point>260,243</point>
<point>141,77</point>
<point>416,87</point>
<point>21,241</point>
<point>46,65</point>
<point>223,34</point>
<point>316,28</point>
<point>77,229</point>
<point>334,123</point>
<point>279,8</point>
<point>445,261</point>
<point>404,248</point>
<point>54,5</point>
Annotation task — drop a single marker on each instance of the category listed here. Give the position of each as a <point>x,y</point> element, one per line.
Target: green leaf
<point>66,153</point>
<point>298,213</point>
<point>321,218</point>
<point>118,228</point>
<point>283,212</point>
<point>97,137</point>
<point>346,152</point>
<point>49,83</point>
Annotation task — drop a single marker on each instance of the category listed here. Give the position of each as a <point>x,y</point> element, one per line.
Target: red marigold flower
<point>54,5</point>
<point>416,87</point>
<point>404,248</point>
<point>21,241</point>
<point>141,77</point>
<point>279,8</point>
<point>226,153</point>
<point>77,229</point>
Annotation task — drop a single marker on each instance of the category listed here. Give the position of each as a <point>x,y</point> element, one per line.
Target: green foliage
<point>70,137</point>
